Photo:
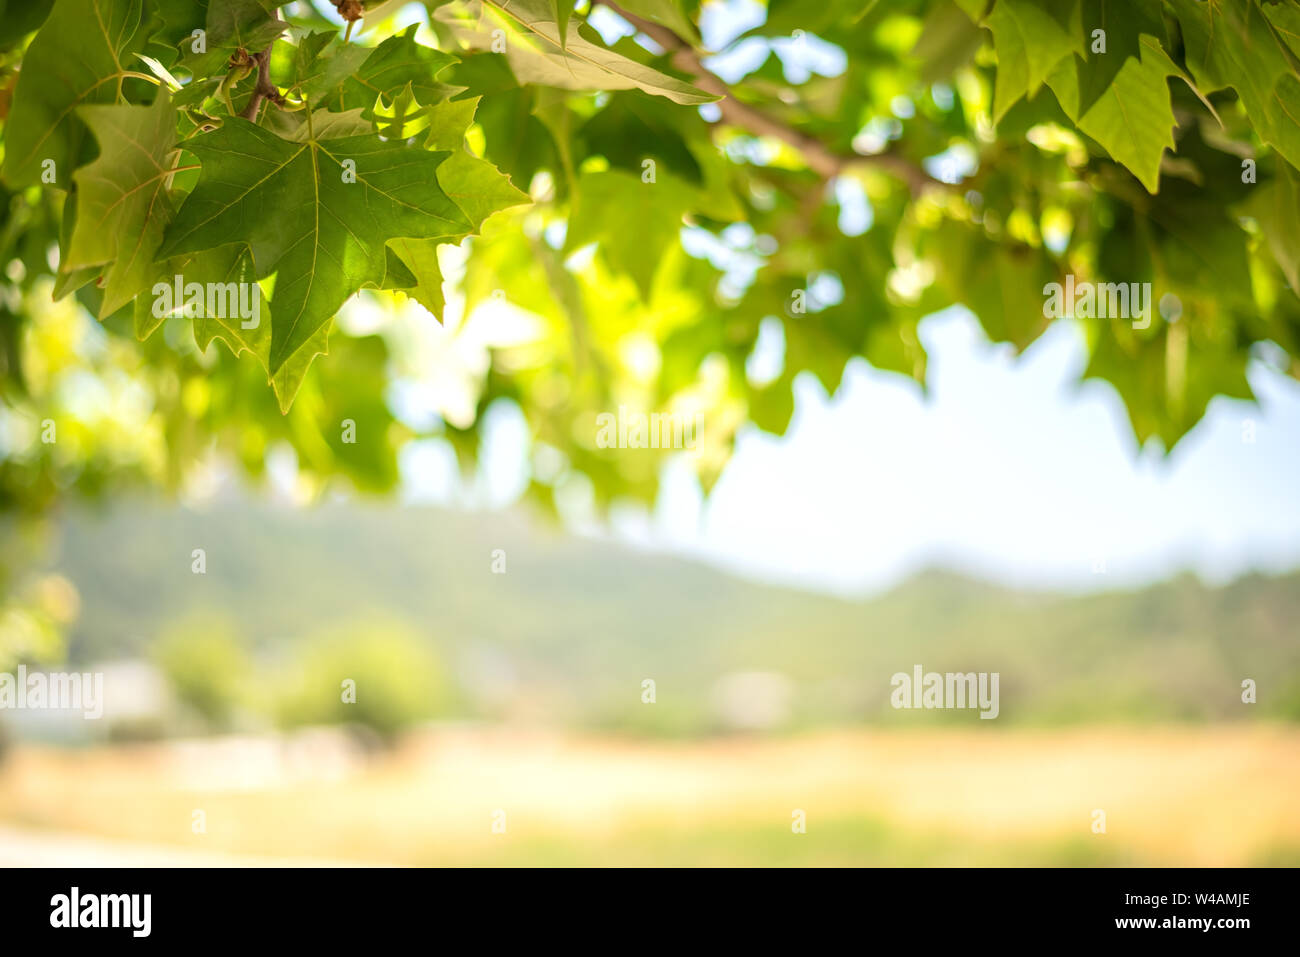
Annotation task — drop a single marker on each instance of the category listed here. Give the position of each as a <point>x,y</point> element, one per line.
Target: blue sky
<point>1010,469</point>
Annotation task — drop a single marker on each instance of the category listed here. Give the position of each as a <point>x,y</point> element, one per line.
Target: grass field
<point>1217,795</point>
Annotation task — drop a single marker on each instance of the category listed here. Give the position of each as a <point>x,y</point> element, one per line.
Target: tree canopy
<point>645,207</point>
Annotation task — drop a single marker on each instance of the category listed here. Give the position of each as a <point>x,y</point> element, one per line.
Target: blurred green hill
<point>570,630</point>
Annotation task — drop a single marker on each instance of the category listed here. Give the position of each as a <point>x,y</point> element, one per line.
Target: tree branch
<point>264,87</point>
<point>823,160</point>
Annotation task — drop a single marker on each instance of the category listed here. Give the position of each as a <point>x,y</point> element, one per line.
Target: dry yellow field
<point>1171,796</point>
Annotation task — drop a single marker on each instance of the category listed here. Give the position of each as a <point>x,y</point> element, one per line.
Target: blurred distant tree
<point>208,667</point>
<point>641,209</point>
<point>375,675</point>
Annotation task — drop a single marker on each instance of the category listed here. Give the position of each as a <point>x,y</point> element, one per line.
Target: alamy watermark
<point>213,300</point>
<point>949,690</point>
<point>129,911</point>
<point>1106,300</point>
<point>57,691</point>
<point>637,430</point>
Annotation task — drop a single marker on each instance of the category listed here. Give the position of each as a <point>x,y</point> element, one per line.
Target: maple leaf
<point>317,213</point>
<point>123,207</point>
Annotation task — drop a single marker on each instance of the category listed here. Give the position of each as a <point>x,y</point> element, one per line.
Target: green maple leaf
<point>1134,119</point>
<point>649,221</point>
<point>1202,248</point>
<point>81,55</point>
<point>70,280</point>
<point>1030,37</point>
<point>1124,22</point>
<point>480,190</point>
<point>1161,402</point>
<point>1001,282</point>
<point>401,117</point>
<point>224,264</point>
<point>323,125</point>
<point>539,53</point>
<point>423,281</point>
<point>353,77</point>
<point>518,143</point>
<point>318,214</point>
<point>1232,43</point>
<point>448,122</point>
<point>633,127</point>
<point>229,264</point>
<point>250,25</point>
<point>123,207</point>
<point>477,187</point>
<point>1286,24</point>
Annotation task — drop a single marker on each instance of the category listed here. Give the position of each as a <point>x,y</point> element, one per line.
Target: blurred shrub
<point>206,661</point>
<point>381,676</point>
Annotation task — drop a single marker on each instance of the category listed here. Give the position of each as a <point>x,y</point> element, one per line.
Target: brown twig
<point>264,89</point>
<point>823,160</point>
